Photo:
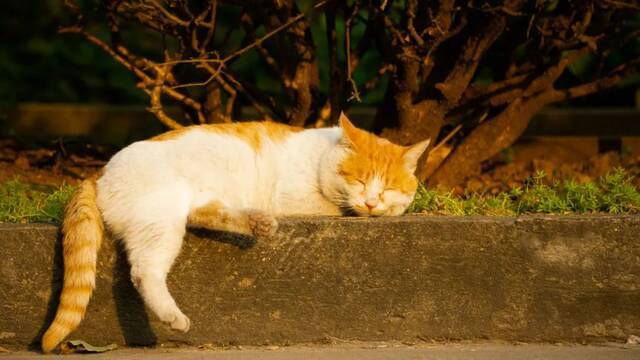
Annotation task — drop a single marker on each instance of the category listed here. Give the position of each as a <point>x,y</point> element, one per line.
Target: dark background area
<point>39,65</point>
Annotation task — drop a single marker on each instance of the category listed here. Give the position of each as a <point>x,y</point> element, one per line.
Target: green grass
<point>22,203</point>
<point>611,194</point>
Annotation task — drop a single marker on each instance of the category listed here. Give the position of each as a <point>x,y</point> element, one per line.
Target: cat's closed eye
<point>388,192</point>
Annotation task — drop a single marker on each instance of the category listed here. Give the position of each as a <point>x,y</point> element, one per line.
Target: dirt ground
<point>577,160</point>
<point>51,163</point>
<point>57,162</point>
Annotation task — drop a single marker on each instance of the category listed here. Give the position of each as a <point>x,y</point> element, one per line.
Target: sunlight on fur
<point>230,177</point>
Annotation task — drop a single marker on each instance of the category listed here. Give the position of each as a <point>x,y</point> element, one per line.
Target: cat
<point>230,177</point>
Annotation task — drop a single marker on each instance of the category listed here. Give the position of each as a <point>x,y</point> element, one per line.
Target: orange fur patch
<point>207,213</point>
<point>172,134</point>
<point>252,132</point>
<point>214,216</point>
<point>82,234</point>
<point>375,156</point>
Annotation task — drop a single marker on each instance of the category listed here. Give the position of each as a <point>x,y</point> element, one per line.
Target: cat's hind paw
<point>180,322</point>
<point>262,224</point>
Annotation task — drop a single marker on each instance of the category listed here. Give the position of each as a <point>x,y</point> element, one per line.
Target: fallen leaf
<point>80,346</point>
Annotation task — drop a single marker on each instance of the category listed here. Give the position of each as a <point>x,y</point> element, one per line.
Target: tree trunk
<point>487,140</point>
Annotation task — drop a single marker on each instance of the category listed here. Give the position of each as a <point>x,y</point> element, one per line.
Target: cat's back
<point>197,154</point>
<point>209,141</point>
<point>253,133</point>
<point>233,139</point>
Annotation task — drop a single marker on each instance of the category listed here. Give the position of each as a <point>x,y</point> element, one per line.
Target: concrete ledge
<point>413,278</point>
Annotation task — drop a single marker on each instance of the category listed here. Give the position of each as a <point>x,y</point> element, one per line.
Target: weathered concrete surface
<point>410,278</point>
<point>369,352</point>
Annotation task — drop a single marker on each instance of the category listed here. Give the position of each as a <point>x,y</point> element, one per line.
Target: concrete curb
<point>412,278</point>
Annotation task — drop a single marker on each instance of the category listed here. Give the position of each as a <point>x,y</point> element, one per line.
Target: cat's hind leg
<point>215,216</point>
<point>151,256</point>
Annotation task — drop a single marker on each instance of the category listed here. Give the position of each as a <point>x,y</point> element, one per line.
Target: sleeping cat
<point>230,177</point>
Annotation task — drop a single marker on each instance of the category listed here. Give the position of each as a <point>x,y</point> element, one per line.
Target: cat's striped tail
<point>82,232</point>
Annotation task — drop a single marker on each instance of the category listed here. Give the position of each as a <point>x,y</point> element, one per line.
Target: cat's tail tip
<point>52,338</point>
<point>82,231</point>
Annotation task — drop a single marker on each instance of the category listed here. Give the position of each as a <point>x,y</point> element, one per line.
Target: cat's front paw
<point>262,224</point>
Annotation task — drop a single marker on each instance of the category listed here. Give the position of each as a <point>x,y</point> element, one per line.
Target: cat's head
<point>376,176</point>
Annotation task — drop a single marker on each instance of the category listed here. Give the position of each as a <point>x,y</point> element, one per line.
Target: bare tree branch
<point>156,104</point>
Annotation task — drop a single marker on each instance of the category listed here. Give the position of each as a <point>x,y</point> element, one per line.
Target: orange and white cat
<point>230,177</point>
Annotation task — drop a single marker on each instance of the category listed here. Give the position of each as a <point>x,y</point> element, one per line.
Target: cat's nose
<point>371,203</point>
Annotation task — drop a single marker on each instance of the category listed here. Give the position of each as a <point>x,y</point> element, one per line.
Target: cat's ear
<point>350,132</point>
<point>413,153</point>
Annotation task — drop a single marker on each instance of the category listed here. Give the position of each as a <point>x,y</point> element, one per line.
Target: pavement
<point>368,351</point>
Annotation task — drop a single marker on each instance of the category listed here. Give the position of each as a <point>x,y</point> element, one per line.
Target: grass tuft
<point>612,194</point>
<point>618,196</point>
<point>22,203</point>
<point>538,197</point>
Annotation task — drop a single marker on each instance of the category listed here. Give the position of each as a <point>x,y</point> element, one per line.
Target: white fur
<point>149,188</point>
